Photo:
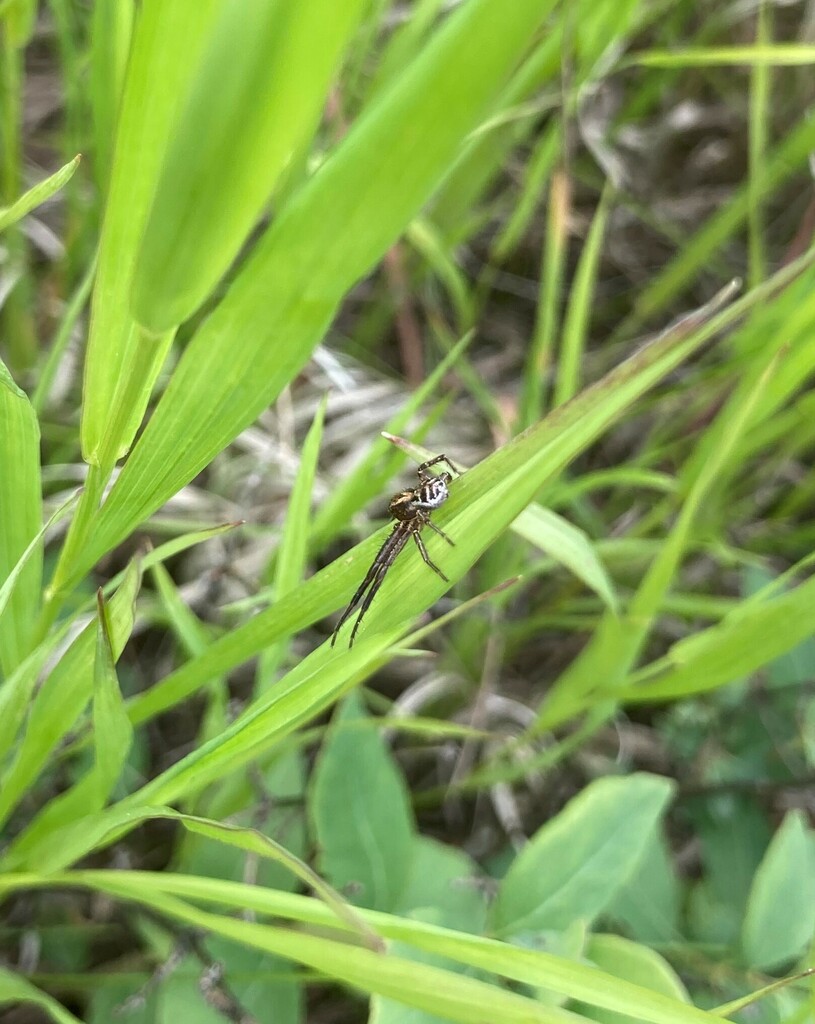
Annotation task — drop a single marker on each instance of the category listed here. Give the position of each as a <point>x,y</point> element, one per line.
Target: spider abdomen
<point>433,493</point>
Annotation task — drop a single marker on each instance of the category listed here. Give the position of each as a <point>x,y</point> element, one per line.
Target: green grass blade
<point>291,557</point>
<point>20,520</point>
<point>566,977</point>
<point>564,542</point>
<point>242,124</point>
<point>240,128</point>
<point>539,364</point>
<point>111,34</point>
<point>760,119</point>
<point>616,644</point>
<point>112,738</point>
<point>15,989</point>
<point>581,298</point>
<point>35,546</point>
<point>64,695</point>
<point>37,195</point>
<point>166,47</point>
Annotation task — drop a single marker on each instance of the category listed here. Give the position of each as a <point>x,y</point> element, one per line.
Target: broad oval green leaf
<point>780,918</point>
<point>576,864</point>
<point>361,812</point>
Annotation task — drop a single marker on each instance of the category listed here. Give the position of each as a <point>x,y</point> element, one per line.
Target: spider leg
<point>424,476</point>
<point>378,580</point>
<point>426,557</point>
<point>385,558</point>
<point>352,604</point>
<point>429,522</point>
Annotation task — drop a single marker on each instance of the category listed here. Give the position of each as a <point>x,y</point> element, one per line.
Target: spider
<point>411,510</point>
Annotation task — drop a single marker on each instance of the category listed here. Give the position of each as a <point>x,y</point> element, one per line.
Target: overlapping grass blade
<point>121,361</point>
<point>243,123</point>
<point>334,229</point>
<point>20,521</point>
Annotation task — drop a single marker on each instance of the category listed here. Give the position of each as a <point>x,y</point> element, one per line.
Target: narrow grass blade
<point>539,363</point>
<point>291,556</point>
<point>20,521</point>
<point>566,977</point>
<point>112,737</point>
<point>565,543</point>
<point>34,546</point>
<point>37,195</point>
<point>742,642</point>
<point>581,297</point>
<point>64,695</point>
<point>617,642</point>
<point>15,989</point>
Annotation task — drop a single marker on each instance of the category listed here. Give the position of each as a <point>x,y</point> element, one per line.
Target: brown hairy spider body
<point>411,510</point>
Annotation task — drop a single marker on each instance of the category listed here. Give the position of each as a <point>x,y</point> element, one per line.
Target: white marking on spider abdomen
<point>432,494</point>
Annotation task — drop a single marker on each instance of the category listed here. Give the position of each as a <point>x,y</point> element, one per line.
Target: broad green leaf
<point>446,879</point>
<point>649,905</point>
<point>21,519</point>
<point>64,695</point>
<point>630,960</point>
<point>37,195</point>
<point>331,233</point>
<point>361,812</point>
<point>122,362</point>
<point>15,989</point>
<point>780,918</point>
<point>242,124</point>
<point>575,865</point>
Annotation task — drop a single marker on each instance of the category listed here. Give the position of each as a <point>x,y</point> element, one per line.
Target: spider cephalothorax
<point>411,510</point>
